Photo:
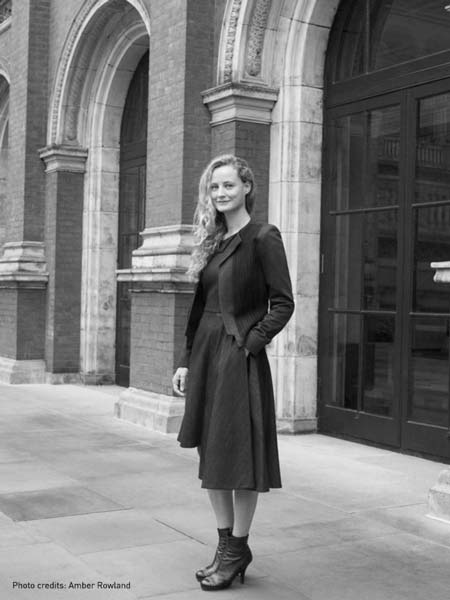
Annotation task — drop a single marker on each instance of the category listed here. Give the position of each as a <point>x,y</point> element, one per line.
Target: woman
<point>243,298</point>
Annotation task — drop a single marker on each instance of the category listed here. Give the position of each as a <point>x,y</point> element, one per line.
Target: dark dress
<point>229,410</point>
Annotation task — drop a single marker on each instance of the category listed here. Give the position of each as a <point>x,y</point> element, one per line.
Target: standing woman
<point>243,298</point>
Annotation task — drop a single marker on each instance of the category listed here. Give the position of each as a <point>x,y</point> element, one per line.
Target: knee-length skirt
<point>230,412</point>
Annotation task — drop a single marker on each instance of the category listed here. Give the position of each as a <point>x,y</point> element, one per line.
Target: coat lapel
<point>230,248</point>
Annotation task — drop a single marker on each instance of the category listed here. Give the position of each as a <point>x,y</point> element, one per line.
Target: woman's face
<point>227,190</point>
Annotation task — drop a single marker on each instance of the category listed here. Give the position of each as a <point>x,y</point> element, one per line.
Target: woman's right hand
<point>179,381</point>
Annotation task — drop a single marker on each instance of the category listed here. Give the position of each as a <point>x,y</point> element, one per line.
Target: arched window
<point>386,186</point>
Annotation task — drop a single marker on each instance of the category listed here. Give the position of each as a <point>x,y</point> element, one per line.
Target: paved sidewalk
<point>86,498</point>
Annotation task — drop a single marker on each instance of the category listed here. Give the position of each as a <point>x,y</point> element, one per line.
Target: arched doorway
<point>133,159</point>
<point>384,323</point>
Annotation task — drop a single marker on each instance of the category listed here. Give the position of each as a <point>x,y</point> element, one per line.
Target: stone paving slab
<point>55,502</point>
<point>91,533</point>
<point>30,475</point>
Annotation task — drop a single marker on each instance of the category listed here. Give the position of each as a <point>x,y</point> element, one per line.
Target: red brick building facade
<point>109,111</point>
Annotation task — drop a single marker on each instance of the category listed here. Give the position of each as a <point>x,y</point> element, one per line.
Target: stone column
<point>439,495</point>
<point>241,115</point>
<point>65,167</point>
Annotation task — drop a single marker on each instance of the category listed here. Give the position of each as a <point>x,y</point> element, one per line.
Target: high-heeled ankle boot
<point>209,570</point>
<point>234,561</point>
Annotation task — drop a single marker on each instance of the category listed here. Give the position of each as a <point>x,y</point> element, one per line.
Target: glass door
<point>425,350</point>
<point>385,324</point>
<point>361,266</point>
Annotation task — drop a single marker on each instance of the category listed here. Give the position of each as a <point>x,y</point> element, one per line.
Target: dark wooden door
<point>133,158</point>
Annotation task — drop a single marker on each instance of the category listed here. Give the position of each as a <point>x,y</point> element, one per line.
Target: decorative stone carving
<point>230,40</point>
<point>240,102</point>
<point>79,56</point>
<point>5,10</point>
<point>255,42</point>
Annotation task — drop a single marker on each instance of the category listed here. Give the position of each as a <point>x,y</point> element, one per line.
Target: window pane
<point>404,30</point>
<point>365,258</point>
<point>345,337</point>
<point>384,154</point>
<point>432,243</point>
<point>378,357</point>
<point>429,371</point>
<point>348,150</point>
<point>433,149</point>
<point>365,170</point>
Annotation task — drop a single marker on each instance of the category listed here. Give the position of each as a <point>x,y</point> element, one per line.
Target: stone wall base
<point>62,378</point>
<point>21,371</point>
<point>98,378</point>
<point>157,412</point>
<point>439,498</point>
<point>307,425</point>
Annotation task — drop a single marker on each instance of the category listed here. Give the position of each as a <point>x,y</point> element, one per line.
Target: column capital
<point>240,102</point>
<point>24,263</point>
<point>442,269</point>
<point>163,256</point>
<point>64,158</point>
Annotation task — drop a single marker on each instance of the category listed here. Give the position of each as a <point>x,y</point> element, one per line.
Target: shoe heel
<point>243,575</point>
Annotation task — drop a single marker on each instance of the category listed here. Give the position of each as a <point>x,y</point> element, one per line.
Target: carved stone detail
<point>230,40</point>
<point>256,35</point>
<point>5,10</point>
<point>94,28</point>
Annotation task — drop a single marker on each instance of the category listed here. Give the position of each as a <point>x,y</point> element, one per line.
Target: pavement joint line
<point>387,507</point>
<point>179,531</point>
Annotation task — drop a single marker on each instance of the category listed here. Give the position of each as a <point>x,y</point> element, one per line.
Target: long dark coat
<point>255,291</point>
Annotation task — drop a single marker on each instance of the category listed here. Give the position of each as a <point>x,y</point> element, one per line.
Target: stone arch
<point>102,51</point>
<point>282,45</point>
<point>4,151</point>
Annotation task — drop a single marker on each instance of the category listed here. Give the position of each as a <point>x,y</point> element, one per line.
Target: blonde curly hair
<point>210,225</point>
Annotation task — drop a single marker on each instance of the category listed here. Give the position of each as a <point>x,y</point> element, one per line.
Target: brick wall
<point>64,216</point>
<point>181,66</point>
<point>8,322</point>
<point>28,119</point>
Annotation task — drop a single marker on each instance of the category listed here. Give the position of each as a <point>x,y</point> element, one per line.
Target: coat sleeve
<point>193,320</point>
<point>272,256</point>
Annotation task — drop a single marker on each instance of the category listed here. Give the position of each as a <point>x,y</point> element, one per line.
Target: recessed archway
<point>105,45</point>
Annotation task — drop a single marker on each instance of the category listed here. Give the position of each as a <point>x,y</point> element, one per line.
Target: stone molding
<point>439,498</point>
<point>442,269</point>
<point>157,412</point>
<point>163,256</point>
<point>240,102</point>
<point>64,158</point>
<point>24,262</point>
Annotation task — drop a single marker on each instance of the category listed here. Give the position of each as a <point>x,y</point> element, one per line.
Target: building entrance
<point>385,372</point>
<point>133,158</point>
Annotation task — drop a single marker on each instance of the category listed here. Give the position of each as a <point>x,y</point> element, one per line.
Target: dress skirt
<point>230,413</point>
